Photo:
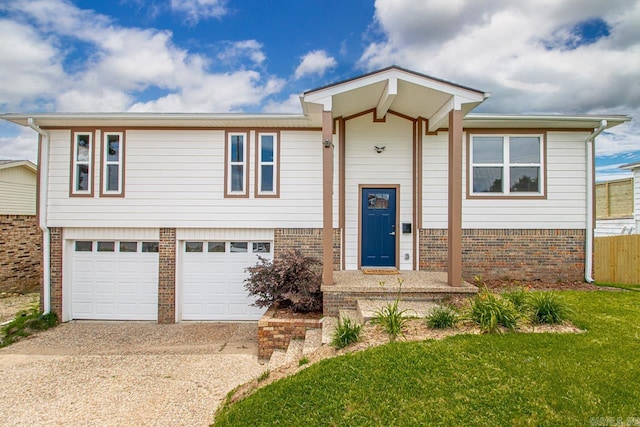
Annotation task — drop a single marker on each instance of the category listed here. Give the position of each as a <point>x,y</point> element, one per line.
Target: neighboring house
<point>20,236</point>
<point>614,208</point>
<point>155,216</point>
<point>635,168</point>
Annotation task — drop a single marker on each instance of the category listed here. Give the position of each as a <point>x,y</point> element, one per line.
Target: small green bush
<point>303,361</point>
<point>391,319</point>
<point>546,307</point>
<point>490,311</point>
<point>347,332</point>
<point>26,323</point>
<point>442,317</point>
<point>263,376</point>
<point>519,297</point>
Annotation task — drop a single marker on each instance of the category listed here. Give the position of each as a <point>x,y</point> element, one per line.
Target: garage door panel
<point>213,285</point>
<point>114,285</point>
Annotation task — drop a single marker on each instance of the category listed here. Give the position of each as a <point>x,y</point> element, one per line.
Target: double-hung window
<point>267,165</point>
<point>237,170</point>
<point>507,165</point>
<point>82,164</point>
<point>112,164</point>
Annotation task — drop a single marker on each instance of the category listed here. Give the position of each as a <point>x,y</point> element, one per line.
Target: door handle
<point>393,233</point>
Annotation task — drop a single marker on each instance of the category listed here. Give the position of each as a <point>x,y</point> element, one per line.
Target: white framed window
<point>82,164</point>
<point>112,164</point>
<point>267,165</point>
<point>507,165</point>
<point>237,170</point>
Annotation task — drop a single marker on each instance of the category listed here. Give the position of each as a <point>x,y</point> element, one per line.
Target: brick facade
<point>308,241</point>
<point>20,253</point>
<point>547,255</point>
<point>167,276</point>
<point>56,270</point>
<point>275,333</point>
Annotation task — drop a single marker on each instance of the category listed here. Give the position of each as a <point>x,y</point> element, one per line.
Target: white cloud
<point>290,105</point>
<point>196,10</point>
<point>504,48</point>
<point>315,62</point>
<point>20,144</point>
<point>234,51</point>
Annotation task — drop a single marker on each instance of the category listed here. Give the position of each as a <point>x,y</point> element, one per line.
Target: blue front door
<point>378,227</point>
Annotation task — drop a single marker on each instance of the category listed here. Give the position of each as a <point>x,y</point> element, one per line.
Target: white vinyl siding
<point>17,191</point>
<point>563,208</point>
<point>175,178</point>
<point>365,166</point>
<point>636,197</point>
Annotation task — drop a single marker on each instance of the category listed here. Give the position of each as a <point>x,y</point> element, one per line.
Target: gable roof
<point>6,164</point>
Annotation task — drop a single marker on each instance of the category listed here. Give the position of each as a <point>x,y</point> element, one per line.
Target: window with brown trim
<point>237,167</point>
<point>82,164</point>
<point>267,164</point>
<point>506,165</point>
<point>112,174</point>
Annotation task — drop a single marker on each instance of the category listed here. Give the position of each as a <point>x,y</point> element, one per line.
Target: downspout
<point>42,214</point>
<point>588,264</point>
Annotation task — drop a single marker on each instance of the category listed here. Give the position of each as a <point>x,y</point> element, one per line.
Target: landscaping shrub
<point>519,297</point>
<point>291,280</point>
<point>391,319</point>
<point>490,311</point>
<point>26,323</point>
<point>442,317</point>
<point>347,332</point>
<point>546,307</point>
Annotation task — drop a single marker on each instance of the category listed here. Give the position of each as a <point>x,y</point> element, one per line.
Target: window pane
<point>193,247</point>
<point>112,177</point>
<point>215,247</point>
<point>267,178</point>
<point>261,247</point>
<point>524,179</point>
<point>378,201</point>
<point>83,145</point>
<point>267,148</point>
<point>239,246</point>
<point>82,178</point>
<point>150,247</point>
<point>524,149</point>
<point>237,177</point>
<point>113,152</point>
<point>106,246</point>
<point>237,148</point>
<point>84,246</point>
<point>488,149</point>
<point>487,180</point>
<point>128,246</point>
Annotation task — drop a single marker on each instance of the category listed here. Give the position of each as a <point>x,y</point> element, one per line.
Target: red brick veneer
<point>167,276</point>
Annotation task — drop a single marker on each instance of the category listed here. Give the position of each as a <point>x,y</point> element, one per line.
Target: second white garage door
<point>213,275</point>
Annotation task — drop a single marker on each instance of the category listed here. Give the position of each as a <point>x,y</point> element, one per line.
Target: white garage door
<point>114,280</point>
<point>213,275</point>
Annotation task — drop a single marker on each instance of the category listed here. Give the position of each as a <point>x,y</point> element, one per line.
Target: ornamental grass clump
<point>292,280</point>
<point>519,297</point>
<point>442,317</point>
<point>547,307</point>
<point>390,318</point>
<point>347,332</point>
<point>490,312</point>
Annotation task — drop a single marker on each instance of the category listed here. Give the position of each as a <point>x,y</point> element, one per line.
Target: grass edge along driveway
<point>510,379</point>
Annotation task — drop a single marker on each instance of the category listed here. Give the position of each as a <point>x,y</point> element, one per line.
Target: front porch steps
<point>297,349</point>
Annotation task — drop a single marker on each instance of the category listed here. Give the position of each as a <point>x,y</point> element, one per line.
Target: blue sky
<point>542,56</point>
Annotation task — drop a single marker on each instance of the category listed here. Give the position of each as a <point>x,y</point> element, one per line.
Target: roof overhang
<point>19,163</point>
<point>163,120</point>
<point>541,121</point>
<point>406,92</point>
<point>631,166</point>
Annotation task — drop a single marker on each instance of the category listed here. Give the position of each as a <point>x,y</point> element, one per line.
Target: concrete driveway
<point>125,373</point>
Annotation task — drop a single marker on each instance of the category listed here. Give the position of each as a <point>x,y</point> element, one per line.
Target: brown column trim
<point>454,230</point>
<point>342,187</point>
<point>327,198</point>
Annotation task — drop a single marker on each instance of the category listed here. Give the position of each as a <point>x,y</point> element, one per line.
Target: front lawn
<point>510,379</point>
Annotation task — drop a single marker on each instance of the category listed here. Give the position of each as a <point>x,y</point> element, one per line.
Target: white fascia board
<point>631,166</point>
<point>20,163</point>
<point>612,120</point>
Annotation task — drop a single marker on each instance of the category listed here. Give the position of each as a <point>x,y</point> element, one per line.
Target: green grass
<point>26,323</point>
<point>480,380</point>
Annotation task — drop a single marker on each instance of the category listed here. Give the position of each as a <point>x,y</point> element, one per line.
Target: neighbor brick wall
<point>306,240</point>
<point>56,270</point>
<point>276,333</point>
<point>167,276</point>
<point>547,255</point>
<point>20,253</point>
